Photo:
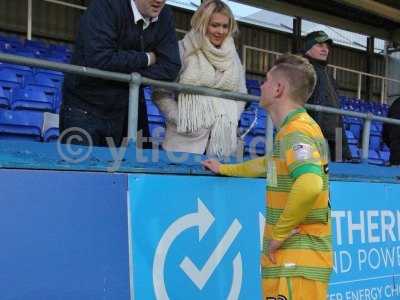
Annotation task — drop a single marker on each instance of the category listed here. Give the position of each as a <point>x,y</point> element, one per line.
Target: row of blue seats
<point>27,95</point>
<point>22,42</point>
<point>364,106</point>
<point>32,48</point>
<point>353,104</point>
<point>18,73</point>
<point>36,53</point>
<point>376,157</point>
<point>30,98</point>
<point>40,91</point>
<point>28,125</point>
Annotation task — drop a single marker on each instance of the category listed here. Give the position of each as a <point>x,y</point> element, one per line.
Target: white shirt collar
<point>138,16</point>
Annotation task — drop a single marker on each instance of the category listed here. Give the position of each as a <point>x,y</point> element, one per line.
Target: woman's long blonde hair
<point>202,16</point>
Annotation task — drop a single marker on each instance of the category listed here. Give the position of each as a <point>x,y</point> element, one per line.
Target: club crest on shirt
<point>302,151</point>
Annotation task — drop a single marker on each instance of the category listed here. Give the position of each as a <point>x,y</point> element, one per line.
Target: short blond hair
<point>202,16</point>
<point>300,75</point>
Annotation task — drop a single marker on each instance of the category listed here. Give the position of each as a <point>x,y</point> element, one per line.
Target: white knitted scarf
<point>206,65</point>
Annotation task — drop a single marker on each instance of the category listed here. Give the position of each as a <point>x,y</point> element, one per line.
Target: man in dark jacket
<point>121,36</point>
<point>316,49</point>
<point>391,133</point>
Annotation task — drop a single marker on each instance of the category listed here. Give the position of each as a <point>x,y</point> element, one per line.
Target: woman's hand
<point>211,165</point>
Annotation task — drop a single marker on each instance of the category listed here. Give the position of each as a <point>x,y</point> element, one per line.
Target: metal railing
<point>135,80</point>
<point>360,74</point>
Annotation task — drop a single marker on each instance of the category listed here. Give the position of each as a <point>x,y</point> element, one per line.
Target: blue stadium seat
<point>354,105</point>
<point>254,91</point>
<point>35,44</point>
<point>48,80</point>
<point>19,69</point>
<point>343,100</point>
<point>254,144</point>
<point>376,128</point>
<point>255,105</point>
<point>148,93</point>
<point>375,142</point>
<point>25,125</point>
<point>50,129</point>
<point>50,73</point>
<point>385,148</point>
<point>11,42</point>
<point>354,120</point>
<point>373,158</point>
<point>9,80</point>
<point>254,83</point>
<point>33,98</point>
<point>262,112</point>
<point>60,58</point>
<point>157,132</point>
<point>49,84</point>
<point>247,118</point>
<point>354,152</point>
<point>59,48</point>
<point>51,135</point>
<point>260,126</point>
<point>385,109</point>
<point>26,52</point>
<point>11,76</point>
<point>253,87</point>
<point>366,107</point>
<point>384,155</point>
<point>355,129</point>
<point>350,138</point>
<point>153,113</point>
<point>4,100</point>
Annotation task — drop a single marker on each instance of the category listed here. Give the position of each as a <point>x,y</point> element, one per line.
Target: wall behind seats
<point>50,21</point>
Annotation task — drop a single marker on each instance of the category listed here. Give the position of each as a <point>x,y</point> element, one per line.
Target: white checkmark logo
<point>203,219</point>
<point>200,277</point>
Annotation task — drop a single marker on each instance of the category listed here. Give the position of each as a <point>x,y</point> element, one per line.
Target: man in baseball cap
<point>316,49</point>
<point>317,37</point>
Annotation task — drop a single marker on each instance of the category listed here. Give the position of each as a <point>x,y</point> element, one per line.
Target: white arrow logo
<point>203,219</point>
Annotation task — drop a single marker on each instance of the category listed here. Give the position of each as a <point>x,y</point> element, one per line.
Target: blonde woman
<point>196,123</point>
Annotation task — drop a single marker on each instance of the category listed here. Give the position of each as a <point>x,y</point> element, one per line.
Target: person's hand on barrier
<point>153,58</point>
<point>212,165</point>
<point>274,245</point>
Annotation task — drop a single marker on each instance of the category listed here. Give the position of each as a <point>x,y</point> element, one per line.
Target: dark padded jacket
<point>391,133</point>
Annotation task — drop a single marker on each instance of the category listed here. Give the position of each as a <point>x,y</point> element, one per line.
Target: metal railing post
<point>365,138</point>
<point>383,91</point>
<point>244,58</point>
<point>334,73</point>
<point>133,115</point>
<point>29,25</point>
<point>269,136</point>
<point>359,86</point>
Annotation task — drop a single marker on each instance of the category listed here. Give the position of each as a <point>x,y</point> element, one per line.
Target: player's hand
<point>274,245</point>
<point>211,165</point>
